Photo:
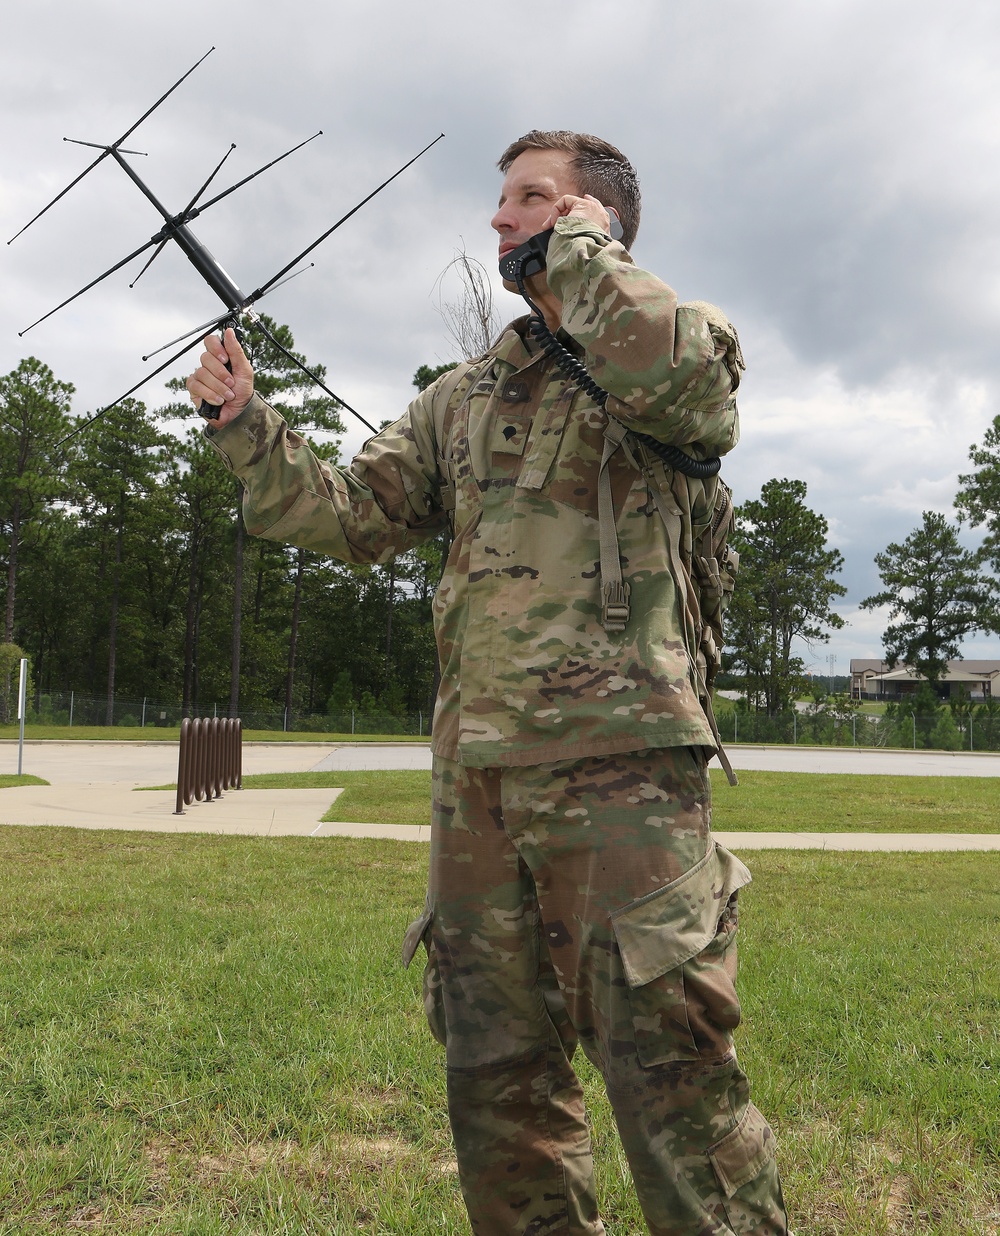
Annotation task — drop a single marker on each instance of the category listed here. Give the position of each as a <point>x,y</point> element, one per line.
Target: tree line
<point>936,591</point>
<point>128,573</point>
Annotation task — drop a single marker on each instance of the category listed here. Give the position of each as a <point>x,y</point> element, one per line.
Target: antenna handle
<point>208,410</point>
<point>207,266</point>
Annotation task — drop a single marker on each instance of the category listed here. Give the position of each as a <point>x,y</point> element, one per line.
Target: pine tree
<point>936,594</point>
<point>34,417</point>
<point>784,591</point>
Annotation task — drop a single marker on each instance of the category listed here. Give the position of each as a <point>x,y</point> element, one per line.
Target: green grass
<point>850,803</point>
<point>9,779</point>
<point>763,802</point>
<point>382,797</point>
<point>155,733</point>
<point>214,1035</point>
<point>385,796</point>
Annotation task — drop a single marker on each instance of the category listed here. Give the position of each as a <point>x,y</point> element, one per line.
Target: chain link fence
<point>129,712</point>
<point>977,730</point>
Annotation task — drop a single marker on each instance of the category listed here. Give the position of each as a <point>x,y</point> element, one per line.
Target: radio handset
<point>529,259</point>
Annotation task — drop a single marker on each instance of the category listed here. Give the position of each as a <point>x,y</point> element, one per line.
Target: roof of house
<point>957,670</point>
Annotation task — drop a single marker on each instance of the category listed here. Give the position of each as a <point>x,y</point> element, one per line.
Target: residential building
<point>874,680</point>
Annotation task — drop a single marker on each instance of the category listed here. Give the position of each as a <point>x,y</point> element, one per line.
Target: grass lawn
<point>9,779</point>
<point>383,796</point>
<point>763,801</point>
<point>214,1035</point>
<point>784,802</point>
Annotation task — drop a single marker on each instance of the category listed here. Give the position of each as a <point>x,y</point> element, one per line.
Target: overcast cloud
<point>826,172</point>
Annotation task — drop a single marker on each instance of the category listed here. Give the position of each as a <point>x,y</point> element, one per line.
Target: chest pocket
<point>502,429</point>
<point>547,433</point>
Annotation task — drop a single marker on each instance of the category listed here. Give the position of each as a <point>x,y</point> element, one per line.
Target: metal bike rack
<point>210,759</point>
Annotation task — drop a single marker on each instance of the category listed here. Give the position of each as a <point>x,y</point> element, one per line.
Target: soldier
<point>575,894</point>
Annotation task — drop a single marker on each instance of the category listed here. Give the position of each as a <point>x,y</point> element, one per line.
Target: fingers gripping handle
<point>208,410</point>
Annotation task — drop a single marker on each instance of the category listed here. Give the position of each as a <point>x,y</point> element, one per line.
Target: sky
<point>826,172</point>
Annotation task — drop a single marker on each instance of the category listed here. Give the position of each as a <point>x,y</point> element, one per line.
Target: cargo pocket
<point>741,1155</point>
<point>743,1166</point>
<point>420,929</point>
<point>677,949</point>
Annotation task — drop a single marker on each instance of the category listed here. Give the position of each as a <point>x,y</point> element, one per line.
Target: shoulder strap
<point>614,591</point>
<point>454,388</point>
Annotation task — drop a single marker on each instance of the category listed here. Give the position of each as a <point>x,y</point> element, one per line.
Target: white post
<point>22,689</point>
<point>143,725</point>
<point>795,726</point>
<point>736,726</point>
<point>421,716</point>
<point>71,695</point>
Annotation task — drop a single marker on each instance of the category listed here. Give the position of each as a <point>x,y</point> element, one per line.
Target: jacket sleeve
<point>672,370</point>
<point>388,500</point>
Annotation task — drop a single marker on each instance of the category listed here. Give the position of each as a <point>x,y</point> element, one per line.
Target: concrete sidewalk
<point>93,785</point>
<point>262,813</point>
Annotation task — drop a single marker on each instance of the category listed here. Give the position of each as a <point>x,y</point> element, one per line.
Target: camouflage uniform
<point>575,892</point>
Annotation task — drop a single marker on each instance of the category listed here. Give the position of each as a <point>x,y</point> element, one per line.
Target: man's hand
<point>586,207</point>
<point>213,383</point>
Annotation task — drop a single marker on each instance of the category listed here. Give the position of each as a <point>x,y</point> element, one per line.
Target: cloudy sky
<point>825,170</point>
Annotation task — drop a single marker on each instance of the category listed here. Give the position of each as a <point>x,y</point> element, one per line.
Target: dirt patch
<point>87,1219</point>
<point>176,1169</point>
<point>846,1181</point>
<point>169,1158</point>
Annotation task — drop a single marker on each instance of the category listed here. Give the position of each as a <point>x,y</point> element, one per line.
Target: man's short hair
<point>601,171</point>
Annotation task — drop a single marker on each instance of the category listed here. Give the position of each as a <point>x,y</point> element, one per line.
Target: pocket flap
<point>414,934</point>
<point>670,926</point>
<point>743,1154</point>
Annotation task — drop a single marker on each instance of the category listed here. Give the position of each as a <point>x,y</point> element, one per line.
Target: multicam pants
<point>585,902</point>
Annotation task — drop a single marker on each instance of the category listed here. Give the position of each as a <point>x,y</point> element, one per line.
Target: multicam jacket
<point>509,450</point>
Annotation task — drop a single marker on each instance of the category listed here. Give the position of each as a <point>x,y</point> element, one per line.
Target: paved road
<point>366,756</point>
<point>65,763</point>
<point>93,785</point>
<point>862,760</point>
<point>778,759</point>
<point>143,763</point>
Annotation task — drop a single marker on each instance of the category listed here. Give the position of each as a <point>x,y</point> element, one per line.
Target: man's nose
<point>503,220</point>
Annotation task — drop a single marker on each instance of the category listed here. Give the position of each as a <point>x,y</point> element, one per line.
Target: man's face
<point>535,181</point>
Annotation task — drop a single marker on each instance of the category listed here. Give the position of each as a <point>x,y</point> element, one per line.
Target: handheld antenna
<point>192,211</point>
<point>343,219</point>
<point>175,227</point>
<point>186,212</point>
<point>106,150</point>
